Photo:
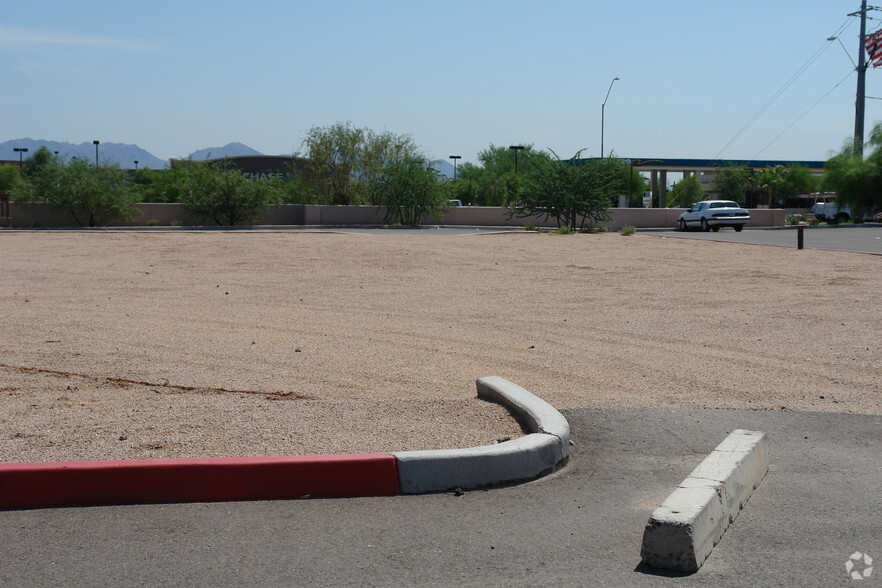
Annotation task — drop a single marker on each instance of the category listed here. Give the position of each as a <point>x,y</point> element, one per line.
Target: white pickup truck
<point>831,213</point>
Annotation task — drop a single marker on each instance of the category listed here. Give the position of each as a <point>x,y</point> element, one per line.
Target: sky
<point>697,79</point>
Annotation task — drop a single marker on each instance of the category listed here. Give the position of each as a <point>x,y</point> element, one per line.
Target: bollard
<point>799,237</point>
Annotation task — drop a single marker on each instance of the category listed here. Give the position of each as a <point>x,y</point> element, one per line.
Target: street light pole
<point>95,143</point>
<point>603,114</point>
<point>454,158</point>
<point>516,148</point>
<point>136,165</point>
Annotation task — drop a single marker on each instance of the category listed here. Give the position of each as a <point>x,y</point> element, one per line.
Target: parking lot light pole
<point>603,115</point>
<point>516,148</point>
<point>21,151</point>
<point>95,143</point>
<point>454,158</point>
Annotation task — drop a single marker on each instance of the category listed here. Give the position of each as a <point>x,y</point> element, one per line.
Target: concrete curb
<point>143,481</point>
<point>518,460</point>
<point>87,483</point>
<point>682,532</point>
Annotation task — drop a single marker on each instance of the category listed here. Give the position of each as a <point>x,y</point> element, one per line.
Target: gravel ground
<point>125,345</point>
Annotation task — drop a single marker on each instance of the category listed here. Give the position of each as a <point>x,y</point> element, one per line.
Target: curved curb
<point>139,481</point>
<point>518,460</point>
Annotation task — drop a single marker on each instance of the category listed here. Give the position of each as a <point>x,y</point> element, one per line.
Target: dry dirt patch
<point>120,345</point>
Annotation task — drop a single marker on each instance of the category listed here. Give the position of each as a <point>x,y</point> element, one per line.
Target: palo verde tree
<point>856,180</point>
<point>409,191</point>
<point>224,195</point>
<point>576,193</point>
<point>92,195</point>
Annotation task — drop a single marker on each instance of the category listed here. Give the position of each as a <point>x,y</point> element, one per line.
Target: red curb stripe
<point>84,483</point>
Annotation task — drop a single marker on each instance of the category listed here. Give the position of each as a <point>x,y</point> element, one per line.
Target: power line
<point>786,85</point>
<point>810,108</point>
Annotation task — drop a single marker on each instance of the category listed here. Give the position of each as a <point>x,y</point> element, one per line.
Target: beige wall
<point>41,215</point>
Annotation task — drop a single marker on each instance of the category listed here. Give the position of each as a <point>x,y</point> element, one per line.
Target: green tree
<point>500,160</point>
<point>9,175</point>
<point>635,185</point>
<point>783,183</point>
<point>343,159</point>
<point>163,185</point>
<point>687,191</point>
<point>39,160</point>
<point>92,195</point>
<point>574,193</point>
<point>856,180</point>
<point>733,183</point>
<point>409,190</point>
<point>222,194</point>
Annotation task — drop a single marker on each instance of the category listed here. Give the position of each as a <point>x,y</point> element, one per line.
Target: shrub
<point>528,226</point>
<point>564,230</point>
<point>628,230</point>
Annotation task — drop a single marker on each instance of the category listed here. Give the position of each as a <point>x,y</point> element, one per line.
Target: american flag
<point>873,43</point>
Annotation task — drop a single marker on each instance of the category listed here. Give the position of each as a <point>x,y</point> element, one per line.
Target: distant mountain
<point>119,153</point>
<point>230,150</point>
<point>445,168</point>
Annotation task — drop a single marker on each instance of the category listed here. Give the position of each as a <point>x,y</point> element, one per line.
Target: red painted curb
<point>84,483</point>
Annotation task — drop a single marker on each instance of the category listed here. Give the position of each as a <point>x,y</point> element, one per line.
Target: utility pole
<point>861,84</point>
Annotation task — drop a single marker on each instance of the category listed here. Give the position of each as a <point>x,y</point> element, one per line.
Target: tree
<point>733,183</point>
<point>38,161</point>
<point>409,190</point>
<point>92,195</point>
<point>687,191</point>
<point>342,159</point>
<point>785,182</point>
<point>500,160</point>
<point>635,185</point>
<point>163,185</point>
<point>856,180</point>
<point>571,192</point>
<point>9,175</point>
<point>224,195</point>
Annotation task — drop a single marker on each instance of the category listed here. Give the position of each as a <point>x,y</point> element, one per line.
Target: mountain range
<point>125,155</point>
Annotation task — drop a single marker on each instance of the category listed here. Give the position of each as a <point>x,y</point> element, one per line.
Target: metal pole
<point>603,114</point>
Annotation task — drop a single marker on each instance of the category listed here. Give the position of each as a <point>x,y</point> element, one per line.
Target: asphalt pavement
<point>855,238</point>
<point>582,526</point>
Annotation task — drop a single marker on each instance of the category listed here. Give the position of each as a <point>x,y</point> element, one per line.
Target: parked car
<point>710,215</point>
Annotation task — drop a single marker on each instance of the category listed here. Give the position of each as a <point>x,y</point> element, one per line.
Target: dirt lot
<point>123,345</point>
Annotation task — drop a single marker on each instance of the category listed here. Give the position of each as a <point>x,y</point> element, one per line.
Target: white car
<point>713,214</point>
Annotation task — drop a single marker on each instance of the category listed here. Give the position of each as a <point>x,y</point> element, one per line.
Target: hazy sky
<point>178,76</point>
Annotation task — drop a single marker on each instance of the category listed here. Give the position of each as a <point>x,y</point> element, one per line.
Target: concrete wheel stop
<point>682,532</point>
